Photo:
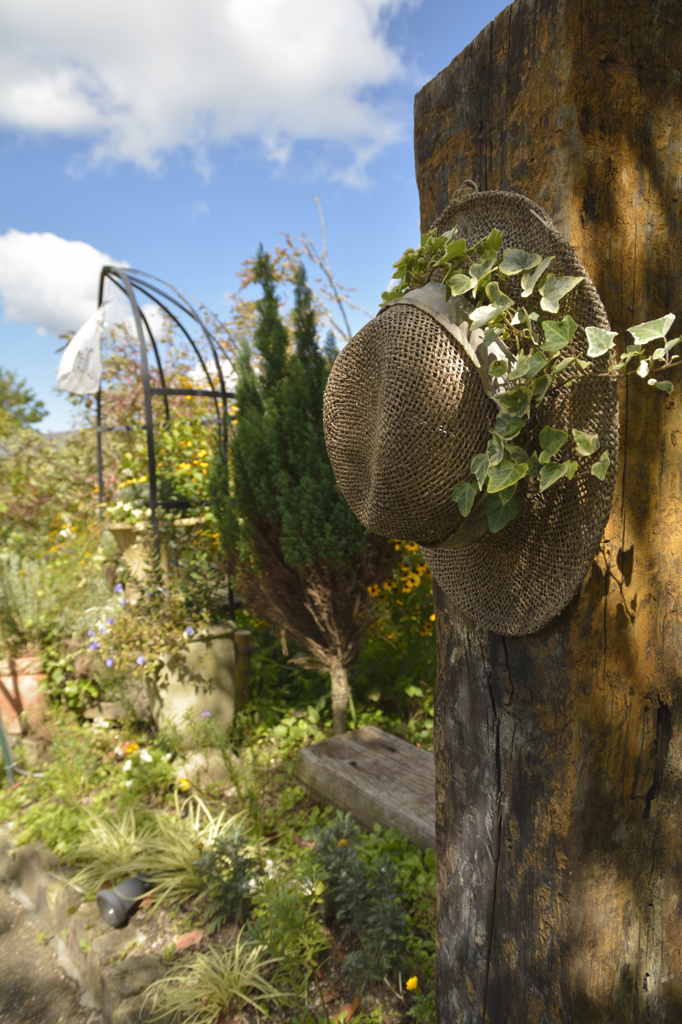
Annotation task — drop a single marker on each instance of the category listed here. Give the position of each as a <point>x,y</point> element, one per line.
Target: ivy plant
<point>525,343</point>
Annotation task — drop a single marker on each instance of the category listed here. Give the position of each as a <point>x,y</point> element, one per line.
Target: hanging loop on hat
<point>470,183</point>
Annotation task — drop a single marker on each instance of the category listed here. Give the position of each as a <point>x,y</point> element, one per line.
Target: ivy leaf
<point>453,251</point>
<point>479,467</point>
<point>552,440</point>
<point>458,284</point>
<point>586,444</point>
<point>652,329</point>
<point>536,363</point>
<point>600,468</point>
<point>498,513</point>
<point>553,289</point>
<point>509,426</point>
<point>529,280</point>
<point>540,387</point>
<point>493,241</point>
<point>665,385</point>
<point>550,474</point>
<point>498,368</point>
<point>521,368</point>
<point>497,297</point>
<point>505,474</point>
<point>516,403</point>
<point>479,271</point>
<point>564,364</point>
<point>516,453</point>
<point>570,469</point>
<point>558,334</point>
<point>464,495</point>
<point>534,466</point>
<point>643,369</point>
<point>507,494</point>
<point>599,341</point>
<point>495,450</point>
<point>515,261</point>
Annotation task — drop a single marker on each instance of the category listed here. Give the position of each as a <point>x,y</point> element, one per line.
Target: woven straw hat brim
<point>516,581</point>
<point>405,412</point>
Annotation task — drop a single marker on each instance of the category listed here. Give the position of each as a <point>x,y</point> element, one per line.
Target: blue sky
<point>176,137</point>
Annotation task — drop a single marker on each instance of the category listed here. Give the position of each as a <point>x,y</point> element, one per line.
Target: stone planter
<point>204,679</point>
<point>25,696</point>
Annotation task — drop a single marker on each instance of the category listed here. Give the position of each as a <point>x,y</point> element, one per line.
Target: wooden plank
<point>378,777</point>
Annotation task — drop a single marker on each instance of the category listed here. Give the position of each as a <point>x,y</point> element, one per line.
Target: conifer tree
<point>301,559</point>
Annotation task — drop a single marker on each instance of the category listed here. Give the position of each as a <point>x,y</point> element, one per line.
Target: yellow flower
<point>342,842</point>
<point>432,617</point>
<point>184,785</point>
<point>412,984</point>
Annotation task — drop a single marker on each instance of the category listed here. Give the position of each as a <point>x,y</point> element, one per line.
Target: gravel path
<point>34,987</point>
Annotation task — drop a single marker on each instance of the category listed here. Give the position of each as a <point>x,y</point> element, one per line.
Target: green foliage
<point>283,483</point>
<point>534,365</point>
<point>18,404</point>
<point>362,896</point>
<point>218,982</point>
<point>227,869</point>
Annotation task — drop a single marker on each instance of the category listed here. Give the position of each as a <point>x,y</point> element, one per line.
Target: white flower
<point>127,765</point>
<point>145,756</point>
<point>253,884</point>
<point>270,868</point>
<point>167,757</point>
<point>129,782</point>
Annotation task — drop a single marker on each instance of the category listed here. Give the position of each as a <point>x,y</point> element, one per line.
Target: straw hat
<point>407,408</point>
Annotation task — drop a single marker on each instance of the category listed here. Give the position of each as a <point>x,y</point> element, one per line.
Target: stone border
<point>90,951</point>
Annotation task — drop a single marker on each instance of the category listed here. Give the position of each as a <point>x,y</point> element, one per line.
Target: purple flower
<point>69,551</point>
<point>103,630</point>
<point>94,646</point>
<point>141,660</point>
<point>109,662</point>
<point>118,589</point>
<point>110,622</point>
<point>91,632</point>
<point>205,714</point>
<point>189,631</point>
<point>123,601</point>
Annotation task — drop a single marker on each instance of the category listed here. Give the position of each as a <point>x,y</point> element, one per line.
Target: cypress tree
<point>301,559</point>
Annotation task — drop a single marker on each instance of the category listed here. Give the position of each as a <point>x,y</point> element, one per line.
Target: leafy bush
<point>226,869</point>
<point>362,897</point>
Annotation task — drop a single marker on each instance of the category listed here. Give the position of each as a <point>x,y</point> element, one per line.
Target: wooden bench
<point>376,776</point>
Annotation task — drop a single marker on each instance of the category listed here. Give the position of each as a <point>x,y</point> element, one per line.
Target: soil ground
<point>34,987</point>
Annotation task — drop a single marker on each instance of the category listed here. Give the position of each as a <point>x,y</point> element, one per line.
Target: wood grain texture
<point>559,756</point>
<point>378,777</point>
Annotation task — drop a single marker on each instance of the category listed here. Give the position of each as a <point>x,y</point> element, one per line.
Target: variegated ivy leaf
<point>652,329</point>
<point>505,475</point>
<point>553,289</point>
<point>499,513</point>
<point>482,315</point>
<point>516,453</point>
<point>531,278</point>
<point>586,444</point>
<point>643,369</point>
<point>600,468</point>
<point>552,440</point>
<point>492,242</point>
<point>550,474</point>
<point>507,494</point>
<point>558,334</point>
<point>479,271</point>
<point>570,469</point>
<point>495,449</point>
<point>458,284</point>
<point>529,366</point>
<point>540,387</point>
<point>463,495</point>
<point>515,261</point>
<point>453,251</point>
<point>599,341</point>
<point>498,368</point>
<point>509,426</point>
<point>479,467</point>
<point>534,465</point>
<point>665,385</point>
<point>516,403</point>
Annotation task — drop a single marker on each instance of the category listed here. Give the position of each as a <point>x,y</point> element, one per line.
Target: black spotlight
<point>116,905</point>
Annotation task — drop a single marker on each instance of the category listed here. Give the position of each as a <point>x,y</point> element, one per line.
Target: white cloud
<point>51,282</point>
<point>141,79</point>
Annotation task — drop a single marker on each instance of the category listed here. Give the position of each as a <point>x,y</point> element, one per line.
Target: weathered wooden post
<point>559,756</point>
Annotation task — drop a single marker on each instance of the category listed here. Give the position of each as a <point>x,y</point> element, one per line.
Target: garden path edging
<point>94,954</point>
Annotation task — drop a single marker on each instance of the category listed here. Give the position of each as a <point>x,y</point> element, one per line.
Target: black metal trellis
<point>176,307</point>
